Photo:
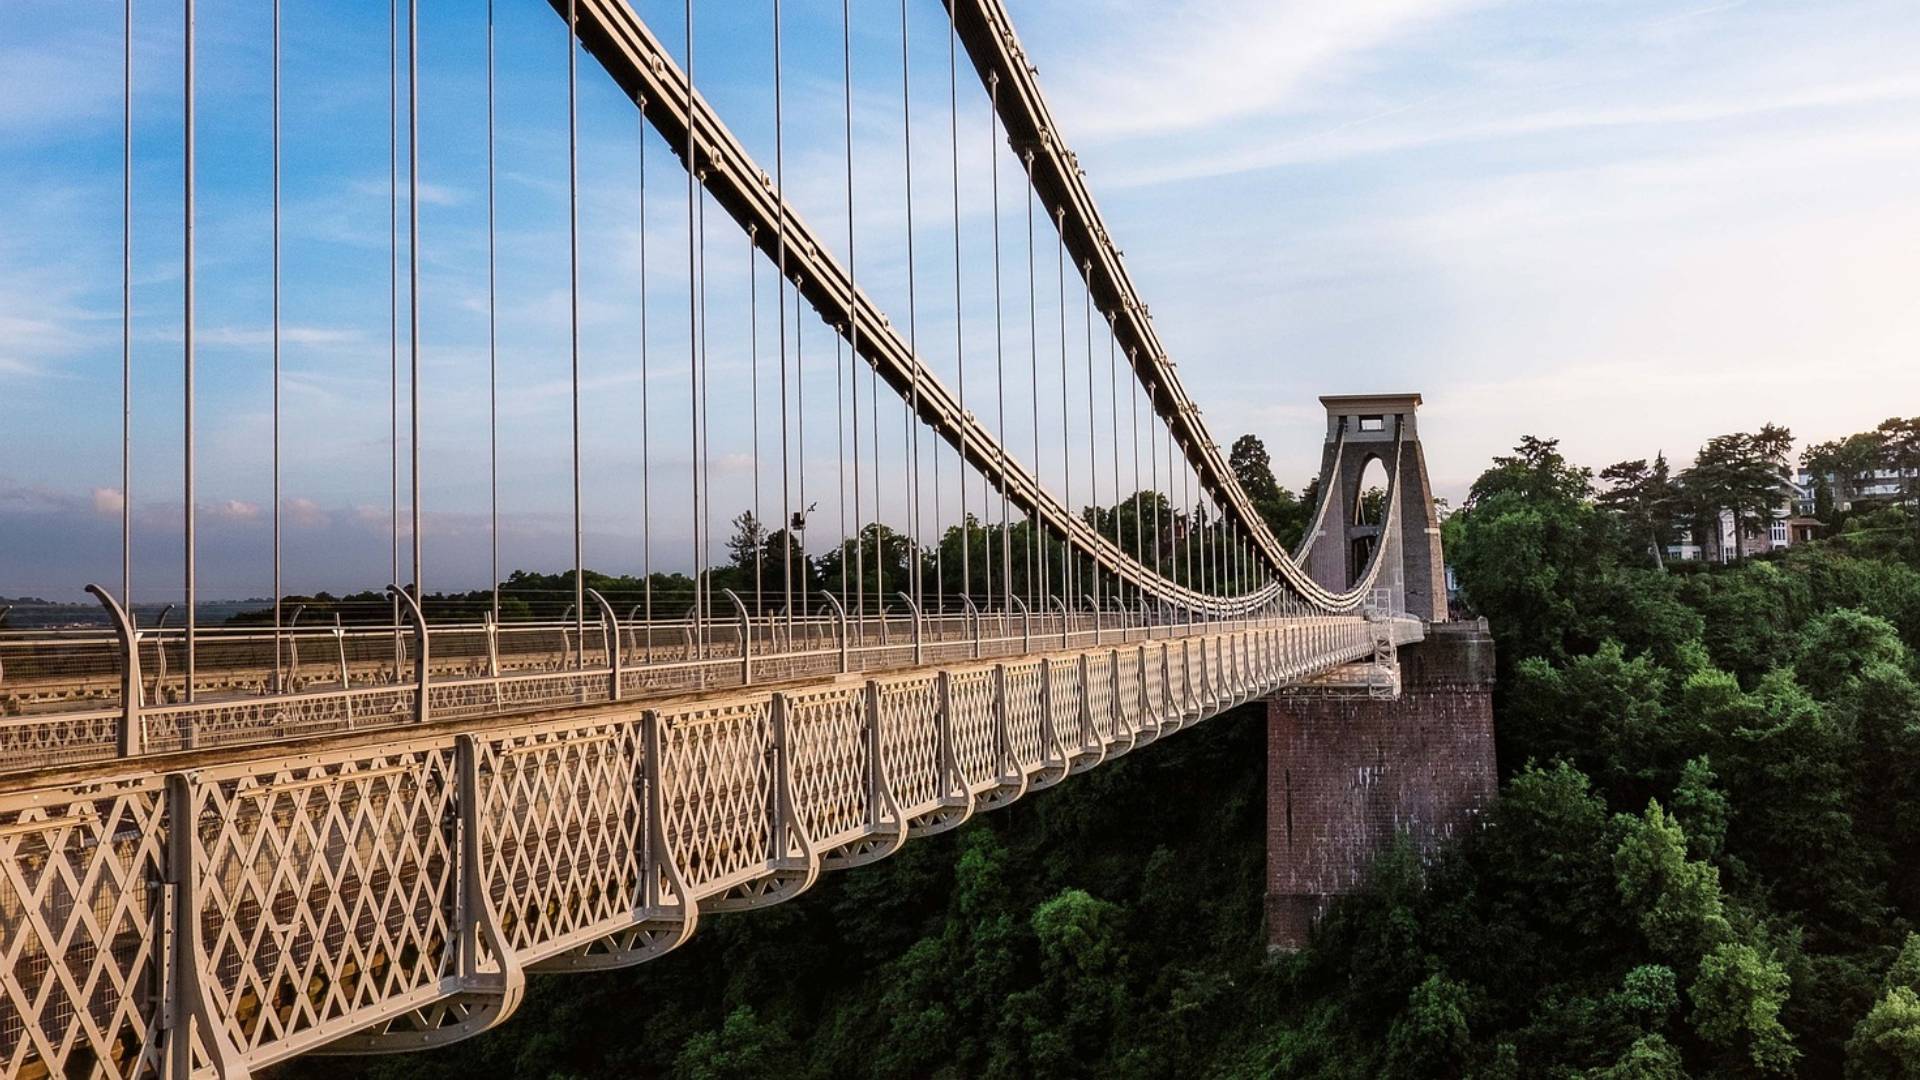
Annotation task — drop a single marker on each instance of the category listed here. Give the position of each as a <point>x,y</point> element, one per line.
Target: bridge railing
<point>268,901</point>
<point>64,697</point>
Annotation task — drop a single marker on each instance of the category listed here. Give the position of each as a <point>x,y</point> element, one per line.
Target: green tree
<point>1676,900</point>
<point>1647,501</point>
<point>744,1048</point>
<point>1836,646</point>
<point>1535,471</point>
<point>1737,999</point>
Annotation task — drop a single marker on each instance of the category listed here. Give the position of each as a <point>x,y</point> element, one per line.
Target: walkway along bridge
<point>221,847</point>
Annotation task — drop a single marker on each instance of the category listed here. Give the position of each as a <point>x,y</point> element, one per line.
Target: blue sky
<point>1629,225</point>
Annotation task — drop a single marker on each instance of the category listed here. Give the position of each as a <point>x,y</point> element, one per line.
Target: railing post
<point>340,650</point>
<point>610,630</point>
<point>421,665</point>
<point>919,645</point>
<point>840,624</point>
<point>1095,605</point>
<point>1002,736</point>
<point>973,621</point>
<point>746,637</point>
<point>293,647</point>
<point>874,764</point>
<point>187,1014</point>
<point>1026,625</point>
<point>132,737</point>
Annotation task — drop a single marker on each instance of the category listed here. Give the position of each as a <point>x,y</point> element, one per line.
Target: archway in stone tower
<point>1368,500</point>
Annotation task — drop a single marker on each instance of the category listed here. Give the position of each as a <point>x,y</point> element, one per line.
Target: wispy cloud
<point>1198,63</point>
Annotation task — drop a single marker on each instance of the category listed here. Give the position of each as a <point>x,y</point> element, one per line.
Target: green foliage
<point>1886,1045</point>
<point>1650,1057</point>
<point>744,1048</point>
<point>1736,1001</point>
<point>1702,809</point>
<point>1675,900</point>
<point>1836,646</point>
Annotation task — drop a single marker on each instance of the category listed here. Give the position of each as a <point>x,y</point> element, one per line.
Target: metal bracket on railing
<point>610,630</point>
<point>746,637</point>
<point>132,737</point>
<point>159,652</point>
<point>633,634</point>
<point>340,649</point>
<point>1026,623</point>
<point>1095,605</point>
<point>293,646</point>
<point>406,599</point>
<point>1066,621</point>
<point>973,619</point>
<point>840,620</point>
<point>919,647</point>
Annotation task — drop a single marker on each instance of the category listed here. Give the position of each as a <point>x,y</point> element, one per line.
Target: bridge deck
<point>388,889</point>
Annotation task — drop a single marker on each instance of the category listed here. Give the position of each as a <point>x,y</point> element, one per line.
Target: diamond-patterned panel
<point>717,787</point>
<point>79,928</point>
<point>1064,694</point>
<point>1127,664</point>
<point>910,740</point>
<point>563,831</point>
<point>327,890</point>
<point>1099,693</point>
<point>1024,731</point>
<point>827,744</point>
<point>970,695</point>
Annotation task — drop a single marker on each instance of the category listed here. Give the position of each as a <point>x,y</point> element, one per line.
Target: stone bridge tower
<point>1349,769</point>
<point>1362,429</point>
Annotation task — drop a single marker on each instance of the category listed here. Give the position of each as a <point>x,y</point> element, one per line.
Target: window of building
<point>1373,423</point>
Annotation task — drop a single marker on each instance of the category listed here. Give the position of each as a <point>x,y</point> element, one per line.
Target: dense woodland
<point>1705,861</point>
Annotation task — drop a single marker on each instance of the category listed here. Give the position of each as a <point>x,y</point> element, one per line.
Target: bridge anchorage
<point>223,846</point>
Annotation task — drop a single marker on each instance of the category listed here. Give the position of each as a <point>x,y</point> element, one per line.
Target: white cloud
<point>234,510</point>
<point>108,502</point>
<point>306,513</point>
<point>1198,63</point>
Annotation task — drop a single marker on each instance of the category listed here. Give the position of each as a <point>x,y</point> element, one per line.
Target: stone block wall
<point>1345,774</point>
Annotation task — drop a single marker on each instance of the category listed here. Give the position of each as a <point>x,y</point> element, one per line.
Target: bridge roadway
<point>210,911</point>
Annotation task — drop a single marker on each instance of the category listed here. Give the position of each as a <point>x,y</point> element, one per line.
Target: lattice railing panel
<point>80,922</point>
<point>717,780</point>
<point>909,715</point>
<point>1064,699</point>
<point>827,745</point>
<point>1026,735</point>
<point>975,737</point>
<point>326,890</point>
<point>1099,697</point>
<point>58,738</point>
<point>1126,664</point>
<point>563,830</point>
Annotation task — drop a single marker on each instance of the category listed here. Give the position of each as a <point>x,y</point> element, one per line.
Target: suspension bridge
<point>226,844</point>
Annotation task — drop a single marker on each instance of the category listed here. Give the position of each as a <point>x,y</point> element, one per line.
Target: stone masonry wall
<point>1344,775</point>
